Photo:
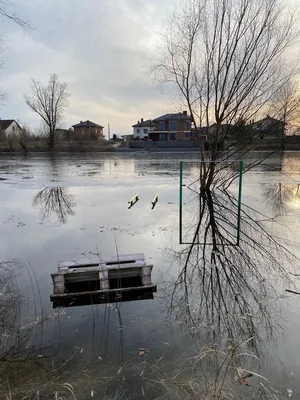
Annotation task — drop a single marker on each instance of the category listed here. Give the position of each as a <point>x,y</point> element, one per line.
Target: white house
<point>9,127</point>
<point>142,129</point>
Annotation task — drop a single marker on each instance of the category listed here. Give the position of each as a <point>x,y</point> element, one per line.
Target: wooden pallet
<point>125,277</point>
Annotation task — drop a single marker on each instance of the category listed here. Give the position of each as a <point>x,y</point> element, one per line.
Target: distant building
<point>173,127</point>
<point>127,138</point>
<point>9,127</point>
<point>86,130</point>
<point>269,128</point>
<point>142,129</point>
<point>208,134</point>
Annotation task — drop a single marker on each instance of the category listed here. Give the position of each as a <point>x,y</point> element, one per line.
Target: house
<point>173,127</point>
<point>208,134</point>
<point>86,130</point>
<point>141,129</point>
<point>269,128</point>
<point>9,127</point>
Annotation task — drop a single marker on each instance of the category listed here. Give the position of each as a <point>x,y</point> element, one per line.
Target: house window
<point>162,126</point>
<point>173,136</point>
<point>145,131</point>
<point>96,130</point>
<point>187,134</point>
<point>137,131</point>
<point>187,123</point>
<point>172,125</point>
<point>194,133</point>
<point>13,128</point>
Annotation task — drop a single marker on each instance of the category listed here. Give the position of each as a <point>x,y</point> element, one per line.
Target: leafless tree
<point>285,106</point>
<point>226,58</point>
<point>55,201</point>
<point>48,101</point>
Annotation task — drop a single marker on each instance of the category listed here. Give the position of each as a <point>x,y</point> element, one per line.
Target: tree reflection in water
<point>55,201</point>
<point>279,195</point>
<point>223,291</point>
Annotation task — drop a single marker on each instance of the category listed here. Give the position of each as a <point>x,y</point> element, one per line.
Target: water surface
<point>94,190</point>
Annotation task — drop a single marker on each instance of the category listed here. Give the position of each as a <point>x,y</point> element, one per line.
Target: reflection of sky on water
<point>101,187</point>
<point>101,221</point>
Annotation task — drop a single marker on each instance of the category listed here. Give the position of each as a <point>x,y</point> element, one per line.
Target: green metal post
<point>239,203</point>
<point>180,204</point>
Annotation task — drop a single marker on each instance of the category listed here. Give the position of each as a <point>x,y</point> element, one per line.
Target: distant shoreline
<point>290,144</point>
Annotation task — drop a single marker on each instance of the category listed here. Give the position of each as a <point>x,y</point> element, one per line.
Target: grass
<point>25,381</point>
<point>212,374</point>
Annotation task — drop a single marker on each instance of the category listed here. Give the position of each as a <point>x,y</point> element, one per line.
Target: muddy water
<point>96,189</point>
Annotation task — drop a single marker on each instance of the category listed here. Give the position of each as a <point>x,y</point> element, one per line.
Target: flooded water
<point>73,206</point>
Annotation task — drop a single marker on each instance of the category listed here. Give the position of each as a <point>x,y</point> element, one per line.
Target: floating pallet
<point>102,280</point>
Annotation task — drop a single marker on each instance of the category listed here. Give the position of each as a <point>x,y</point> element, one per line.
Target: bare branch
<point>6,13</point>
<point>227,59</point>
<point>48,101</point>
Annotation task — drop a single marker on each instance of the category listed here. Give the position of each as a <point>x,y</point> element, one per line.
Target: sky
<point>103,50</point>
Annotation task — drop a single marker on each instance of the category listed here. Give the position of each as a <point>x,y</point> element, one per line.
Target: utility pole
<point>108,131</point>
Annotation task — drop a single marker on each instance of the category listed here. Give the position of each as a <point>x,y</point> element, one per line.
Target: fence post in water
<point>180,203</point>
<point>154,201</point>
<point>133,200</point>
<point>239,203</point>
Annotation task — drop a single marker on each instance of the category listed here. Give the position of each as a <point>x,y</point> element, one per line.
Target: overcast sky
<point>103,49</point>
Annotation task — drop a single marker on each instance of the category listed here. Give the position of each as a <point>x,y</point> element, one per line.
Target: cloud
<point>102,49</point>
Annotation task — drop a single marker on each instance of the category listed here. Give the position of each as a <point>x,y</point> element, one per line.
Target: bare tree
<point>285,106</point>
<point>226,59</point>
<point>49,101</point>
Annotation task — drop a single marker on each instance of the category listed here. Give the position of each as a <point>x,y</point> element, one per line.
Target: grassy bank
<point>41,145</point>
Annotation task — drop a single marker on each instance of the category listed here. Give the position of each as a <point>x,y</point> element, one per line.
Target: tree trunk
<point>51,139</point>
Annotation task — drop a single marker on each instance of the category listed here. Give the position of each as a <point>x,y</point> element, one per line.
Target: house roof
<point>172,117</point>
<point>144,123</point>
<point>268,118</point>
<point>87,124</point>
<point>5,123</point>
